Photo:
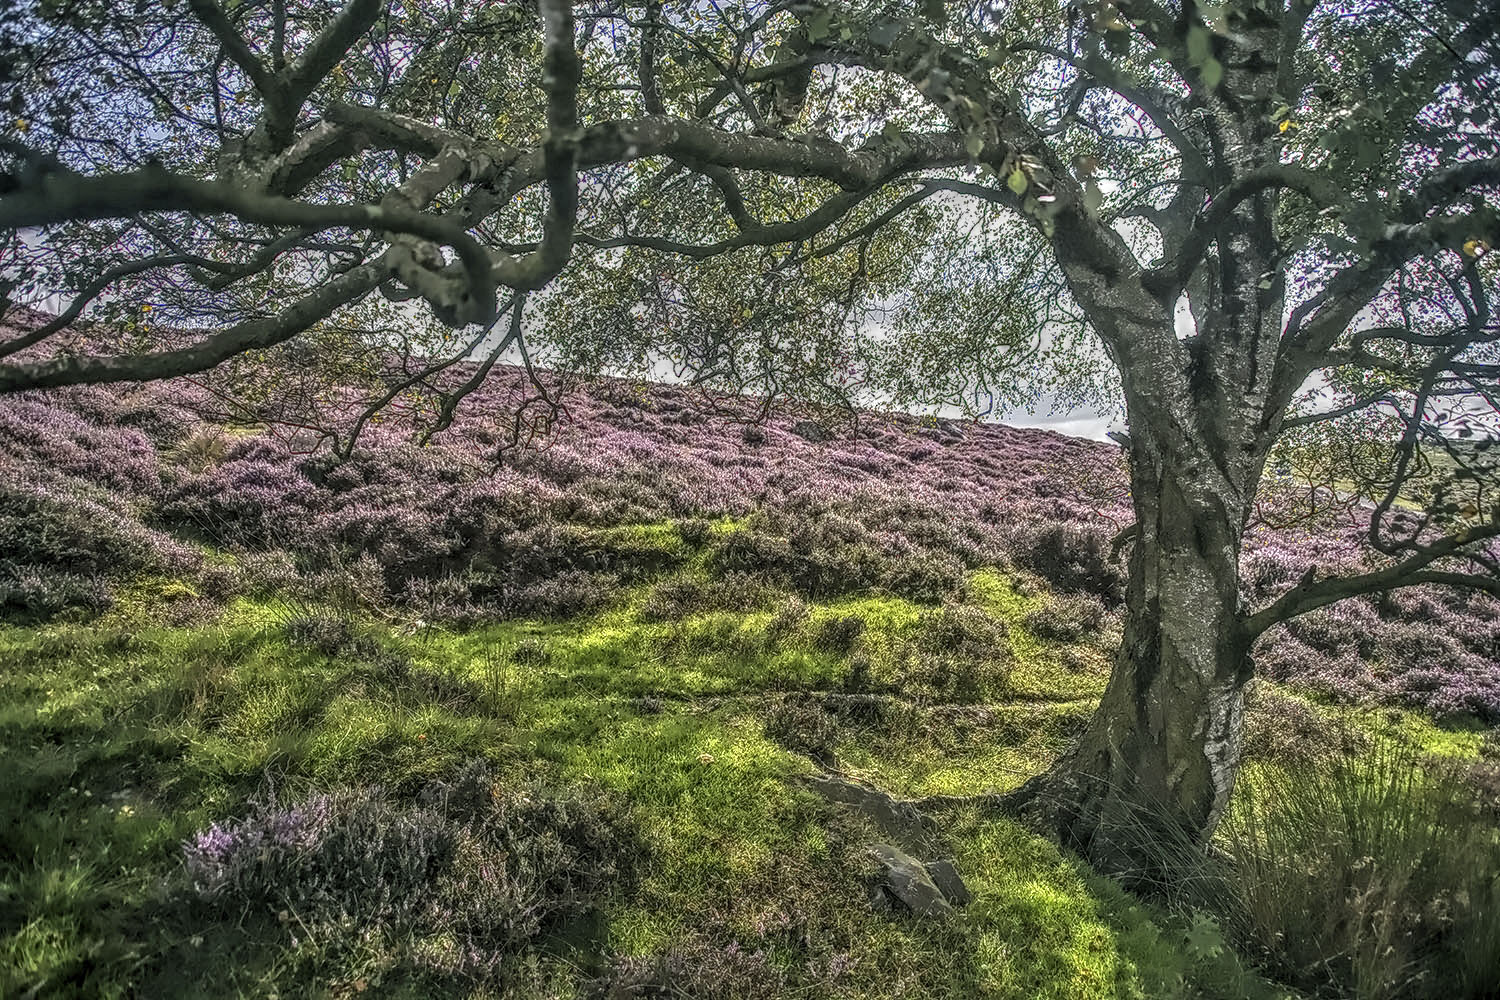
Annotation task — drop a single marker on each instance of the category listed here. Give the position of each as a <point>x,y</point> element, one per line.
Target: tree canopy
<point>1262,226</point>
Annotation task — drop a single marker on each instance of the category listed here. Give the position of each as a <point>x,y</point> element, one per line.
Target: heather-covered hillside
<point>466,530</point>
<point>661,704</point>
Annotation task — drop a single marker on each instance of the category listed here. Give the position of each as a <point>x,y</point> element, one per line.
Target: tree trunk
<point>1155,768</point>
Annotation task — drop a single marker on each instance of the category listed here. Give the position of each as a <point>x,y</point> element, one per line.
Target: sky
<point>1077,423</point>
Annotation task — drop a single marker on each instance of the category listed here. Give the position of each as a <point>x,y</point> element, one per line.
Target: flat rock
<point>900,820</point>
<point>810,430</point>
<point>907,879</point>
<point>949,882</point>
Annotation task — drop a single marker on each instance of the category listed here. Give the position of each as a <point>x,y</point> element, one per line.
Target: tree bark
<point>1155,768</point>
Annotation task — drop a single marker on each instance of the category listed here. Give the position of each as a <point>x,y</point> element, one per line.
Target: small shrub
<point>269,572</point>
<point>43,592</point>
<point>860,676</point>
<point>1073,557</point>
<point>752,550</point>
<point>820,557</point>
<point>1484,779</point>
<point>804,727</point>
<point>330,858</point>
<point>787,619</point>
<point>220,581</point>
<point>694,531</point>
<point>531,652</point>
<point>837,634</point>
<point>446,597</point>
<point>962,654</point>
<point>493,866</point>
<point>926,578</point>
<point>64,544</point>
<point>396,677</point>
<point>954,679</point>
<point>66,527</point>
<point>1289,730</point>
<point>675,599</point>
<point>811,430</point>
<point>1066,618</point>
<point>963,630</point>
<point>193,612</point>
<point>200,450</point>
<point>329,632</point>
<point>567,595</point>
<point>832,556</point>
<point>360,583</point>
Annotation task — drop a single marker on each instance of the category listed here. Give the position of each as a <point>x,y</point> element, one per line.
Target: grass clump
<point>1066,618</point>
<point>679,597</point>
<point>1376,871</point>
<point>961,653</point>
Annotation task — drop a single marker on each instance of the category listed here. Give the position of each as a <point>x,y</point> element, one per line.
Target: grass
<point>121,738</point>
<point>1370,870</point>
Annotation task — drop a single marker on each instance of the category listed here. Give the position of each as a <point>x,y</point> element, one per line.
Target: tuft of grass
<point>1374,870</point>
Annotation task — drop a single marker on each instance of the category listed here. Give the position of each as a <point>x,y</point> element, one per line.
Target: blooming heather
<point>899,505</point>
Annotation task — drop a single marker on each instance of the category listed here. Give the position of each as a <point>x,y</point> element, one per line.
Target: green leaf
<point>818,25</point>
<point>1213,73</point>
<point>1204,939</point>
<point>1017,181</point>
<point>1199,50</point>
<point>1092,197</point>
<point>974,144</point>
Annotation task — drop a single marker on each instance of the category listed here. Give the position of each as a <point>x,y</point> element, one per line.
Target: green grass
<point>119,739</point>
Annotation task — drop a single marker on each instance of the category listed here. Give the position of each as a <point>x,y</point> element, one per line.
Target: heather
<point>477,720</point>
<point>636,485</point>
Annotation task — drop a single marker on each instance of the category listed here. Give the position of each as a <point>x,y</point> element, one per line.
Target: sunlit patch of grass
<point>116,744</point>
<point>1042,925</point>
<point>1457,738</point>
<point>1460,738</point>
<point>1001,747</point>
<point>1044,671</point>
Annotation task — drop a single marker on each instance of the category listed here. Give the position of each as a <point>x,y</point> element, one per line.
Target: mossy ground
<point>121,737</point>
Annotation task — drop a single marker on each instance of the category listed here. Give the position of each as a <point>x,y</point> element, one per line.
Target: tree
<point>1252,219</point>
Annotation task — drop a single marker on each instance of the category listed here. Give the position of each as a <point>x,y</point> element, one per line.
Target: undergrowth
<point>309,800</point>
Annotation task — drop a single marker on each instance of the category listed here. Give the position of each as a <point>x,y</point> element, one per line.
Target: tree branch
<point>1173,275</point>
<point>214,349</point>
<point>561,72</point>
<point>1364,403</point>
<point>308,70</point>
<point>1314,594</point>
<point>64,196</point>
<point>90,292</point>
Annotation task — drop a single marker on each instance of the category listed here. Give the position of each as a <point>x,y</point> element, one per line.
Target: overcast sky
<point>1078,423</point>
